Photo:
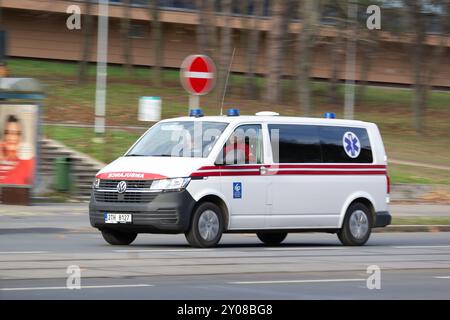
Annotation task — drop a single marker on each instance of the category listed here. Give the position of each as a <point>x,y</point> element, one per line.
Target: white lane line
<point>306,248</point>
<point>83,287</point>
<point>162,250</point>
<point>442,277</point>
<point>418,247</point>
<point>297,281</point>
<point>22,252</point>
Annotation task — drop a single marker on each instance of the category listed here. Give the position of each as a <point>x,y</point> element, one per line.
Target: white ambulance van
<point>264,174</point>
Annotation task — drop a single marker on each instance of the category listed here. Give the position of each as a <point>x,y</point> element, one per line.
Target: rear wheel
<point>272,239</point>
<point>206,227</point>
<point>118,238</point>
<point>357,226</point>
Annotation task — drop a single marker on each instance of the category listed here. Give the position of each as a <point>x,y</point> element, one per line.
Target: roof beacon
<point>196,113</point>
<point>330,115</point>
<point>233,112</point>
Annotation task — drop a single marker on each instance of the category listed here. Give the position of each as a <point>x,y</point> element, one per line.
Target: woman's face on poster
<point>12,135</point>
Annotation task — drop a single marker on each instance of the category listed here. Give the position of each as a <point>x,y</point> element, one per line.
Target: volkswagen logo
<point>121,187</point>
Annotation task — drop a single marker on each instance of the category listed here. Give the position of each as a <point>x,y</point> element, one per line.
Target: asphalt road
<point>33,265</point>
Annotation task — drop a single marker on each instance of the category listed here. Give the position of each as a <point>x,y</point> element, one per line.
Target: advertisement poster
<point>18,129</point>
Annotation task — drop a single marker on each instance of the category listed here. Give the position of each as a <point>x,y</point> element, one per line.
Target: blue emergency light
<point>196,113</point>
<point>330,115</point>
<point>233,112</point>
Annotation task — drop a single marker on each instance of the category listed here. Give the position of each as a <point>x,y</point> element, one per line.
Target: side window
<point>345,145</point>
<point>244,146</point>
<point>295,143</point>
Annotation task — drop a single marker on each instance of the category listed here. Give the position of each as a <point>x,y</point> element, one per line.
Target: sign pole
<point>102,61</point>
<point>194,101</point>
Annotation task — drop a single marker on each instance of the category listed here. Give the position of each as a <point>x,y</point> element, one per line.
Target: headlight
<point>170,184</point>
<point>96,183</point>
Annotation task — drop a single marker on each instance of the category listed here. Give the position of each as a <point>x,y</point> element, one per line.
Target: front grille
<point>127,197</point>
<point>131,184</point>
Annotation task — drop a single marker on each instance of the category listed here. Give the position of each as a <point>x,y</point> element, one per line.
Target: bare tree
<point>206,29</point>
<point>368,42</point>
<point>274,52</point>
<point>337,49</point>
<point>252,49</point>
<point>125,31</point>
<point>308,13</point>
<point>156,32</point>
<point>86,50</point>
<point>225,45</point>
<point>425,58</point>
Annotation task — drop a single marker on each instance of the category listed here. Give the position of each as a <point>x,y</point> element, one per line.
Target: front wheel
<point>357,226</point>
<point>272,239</point>
<point>118,238</point>
<point>206,227</point>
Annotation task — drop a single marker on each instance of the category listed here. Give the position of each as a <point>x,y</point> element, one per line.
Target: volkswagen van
<point>265,174</point>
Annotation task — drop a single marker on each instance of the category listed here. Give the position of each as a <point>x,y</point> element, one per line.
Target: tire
<point>272,239</point>
<point>357,225</point>
<point>207,226</point>
<point>118,238</point>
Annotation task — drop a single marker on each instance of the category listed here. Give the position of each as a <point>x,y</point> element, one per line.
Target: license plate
<point>118,217</point>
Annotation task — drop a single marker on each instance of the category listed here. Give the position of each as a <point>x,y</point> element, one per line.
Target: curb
<point>413,228</point>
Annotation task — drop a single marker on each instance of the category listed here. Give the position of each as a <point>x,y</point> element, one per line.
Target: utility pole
<point>350,65</point>
<point>102,64</point>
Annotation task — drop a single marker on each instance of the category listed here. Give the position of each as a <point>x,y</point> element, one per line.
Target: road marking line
<point>442,277</point>
<point>306,248</point>
<point>418,247</point>
<point>162,250</point>
<point>22,252</point>
<point>83,287</point>
<point>297,281</point>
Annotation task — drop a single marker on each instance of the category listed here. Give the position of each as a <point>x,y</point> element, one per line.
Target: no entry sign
<point>198,74</point>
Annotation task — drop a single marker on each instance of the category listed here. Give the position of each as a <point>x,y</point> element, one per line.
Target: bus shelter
<point>20,107</point>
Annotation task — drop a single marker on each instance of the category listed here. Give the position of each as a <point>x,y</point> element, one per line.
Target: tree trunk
<point>252,50</point>
<point>336,53</point>
<point>87,36</point>
<point>419,63</point>
<point>225,48</point>
<point>369,48</point>
<point>156,43</point>
<point>206,29</point>
<point>202,41</point>
<point>308,13</point>
<point>125,30</point>
<point>274,53</point>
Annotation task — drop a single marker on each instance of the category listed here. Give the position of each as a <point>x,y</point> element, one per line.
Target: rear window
<point>319,144</point>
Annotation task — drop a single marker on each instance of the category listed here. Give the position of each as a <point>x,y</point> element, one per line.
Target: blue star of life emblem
<point>351,144</point>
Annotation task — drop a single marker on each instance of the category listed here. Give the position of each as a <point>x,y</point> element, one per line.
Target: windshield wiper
<point>134,155</point>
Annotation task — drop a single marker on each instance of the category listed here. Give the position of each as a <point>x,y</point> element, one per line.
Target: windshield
<point>179,139</point>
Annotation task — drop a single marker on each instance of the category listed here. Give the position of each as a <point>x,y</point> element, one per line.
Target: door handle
<point>263,170</point>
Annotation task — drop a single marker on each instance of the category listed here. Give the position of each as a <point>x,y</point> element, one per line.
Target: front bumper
<point>383,219</point>
<point>167,212</point>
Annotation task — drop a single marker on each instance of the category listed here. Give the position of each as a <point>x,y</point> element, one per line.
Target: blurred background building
<point>36,30</point>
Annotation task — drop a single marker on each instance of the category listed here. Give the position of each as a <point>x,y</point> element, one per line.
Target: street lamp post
<point>102,64</point>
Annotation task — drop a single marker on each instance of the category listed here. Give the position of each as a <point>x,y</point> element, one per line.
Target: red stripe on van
<point>288,172</point>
